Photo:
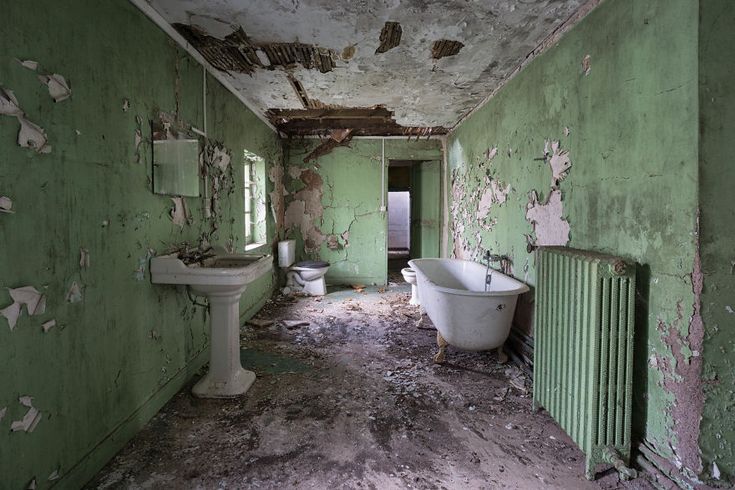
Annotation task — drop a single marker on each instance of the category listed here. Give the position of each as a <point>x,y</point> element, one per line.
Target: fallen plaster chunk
<point>48,325</point>
<point>74,294</point>
<point>83,258</point>
<point>6,205</point>
<point>179,214</point>
<point>31,298</point>
<point>32,136</point>
<point>259,322</point>
<point>559,162</point>
<point>11,313</point>
<point>30,420</point>
<point>58,88</point>
<point>290,324</point>
<point>549,226</point>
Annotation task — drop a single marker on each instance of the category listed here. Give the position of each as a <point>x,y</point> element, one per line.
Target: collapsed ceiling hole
<point>445,47</point>
<point>237,53</point>
<point>390,37</point>
<point>364,121</point>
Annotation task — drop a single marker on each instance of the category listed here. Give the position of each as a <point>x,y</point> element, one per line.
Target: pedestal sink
<point>222,278</point>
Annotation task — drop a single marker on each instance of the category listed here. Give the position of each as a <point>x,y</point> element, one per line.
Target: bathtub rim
<point>521,289</point>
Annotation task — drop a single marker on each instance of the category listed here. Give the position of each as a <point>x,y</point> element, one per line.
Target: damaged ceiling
<point>395,67</point>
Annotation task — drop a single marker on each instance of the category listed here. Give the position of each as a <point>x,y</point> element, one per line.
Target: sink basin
<point>222,278</point>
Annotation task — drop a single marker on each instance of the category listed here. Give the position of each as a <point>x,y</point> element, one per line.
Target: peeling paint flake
<point>83,258</point>
<point>74,293</point>
<point>586,65</point>
<point>559,162</point>
<point>179,214</point>
<point>31,298</point>
<point>46,326</point>
<point>11,313</point>
<point>31,418</point>
<point>58,88</point>
<point>6,205</point>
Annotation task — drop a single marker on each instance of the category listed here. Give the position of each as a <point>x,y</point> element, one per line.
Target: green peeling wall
<point>620,94</point>
<point>333,205</point>
<point>717,231</point>
<point>115,357</point>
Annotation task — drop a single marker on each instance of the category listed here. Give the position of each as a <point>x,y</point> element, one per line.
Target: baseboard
<point>92,462</point>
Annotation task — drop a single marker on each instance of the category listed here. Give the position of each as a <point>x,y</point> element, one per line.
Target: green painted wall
<point>116,357</point>
<point>633,190</point>
<point>349,193</point>
<point>717,232</point>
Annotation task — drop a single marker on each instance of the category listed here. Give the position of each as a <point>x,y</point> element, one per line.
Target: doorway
<point>414,207</point>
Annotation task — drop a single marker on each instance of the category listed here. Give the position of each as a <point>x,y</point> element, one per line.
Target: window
<point>254,199</point>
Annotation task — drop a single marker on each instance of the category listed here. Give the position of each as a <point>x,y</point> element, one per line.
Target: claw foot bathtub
<point>453,294</point>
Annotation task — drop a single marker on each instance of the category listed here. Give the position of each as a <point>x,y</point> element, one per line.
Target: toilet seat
<point>311,264</point>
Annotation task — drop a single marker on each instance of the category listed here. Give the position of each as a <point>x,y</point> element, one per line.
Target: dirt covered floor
<point>350,398</point>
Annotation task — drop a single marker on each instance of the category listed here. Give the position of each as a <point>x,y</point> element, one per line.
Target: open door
<point>425,209</point>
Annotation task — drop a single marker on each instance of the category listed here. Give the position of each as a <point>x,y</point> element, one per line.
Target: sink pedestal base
<point>226,377</point>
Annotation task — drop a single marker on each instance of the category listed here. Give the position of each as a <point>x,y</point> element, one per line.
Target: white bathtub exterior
<point>453,294</point>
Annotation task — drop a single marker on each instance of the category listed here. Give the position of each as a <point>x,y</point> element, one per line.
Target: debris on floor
<point>352,399</point>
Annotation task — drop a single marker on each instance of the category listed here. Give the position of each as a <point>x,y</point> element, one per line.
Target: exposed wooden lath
<point>238,54</point>
<point>363,121</point>
<point>445,47</point>
<point>390,37</point>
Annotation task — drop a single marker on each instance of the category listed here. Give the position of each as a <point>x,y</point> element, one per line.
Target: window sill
<point>251,247</point>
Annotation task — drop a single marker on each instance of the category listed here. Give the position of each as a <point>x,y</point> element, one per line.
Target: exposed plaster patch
<point>548,224</point>
<point>494,193</point>
<point>31,418</point>
<point>684,379</point>
<point>179,213</point>
<point>306,209</point>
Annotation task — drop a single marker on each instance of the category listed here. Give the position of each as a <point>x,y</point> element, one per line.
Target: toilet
<point>306,276</point>
<point>409,275</point>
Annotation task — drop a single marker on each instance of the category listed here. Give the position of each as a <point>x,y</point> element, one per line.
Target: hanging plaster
<point>30,420</point>
<point>559,161</point>
<point>46,326</point>
<point>277,195</point>
<point>83,258</point>
<point>294,172</point>
<point>74,293</point>
<point>6,205</point>
<point>58,87</point>
<point>144,259</point>
<point>179,214</point>
<point>548,224</point>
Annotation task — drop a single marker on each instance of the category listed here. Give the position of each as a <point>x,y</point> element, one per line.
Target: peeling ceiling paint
<point>398,72</point>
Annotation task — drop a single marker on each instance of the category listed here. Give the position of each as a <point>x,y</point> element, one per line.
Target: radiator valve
<point>610,455</point>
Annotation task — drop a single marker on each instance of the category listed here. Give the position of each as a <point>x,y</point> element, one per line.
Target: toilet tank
<point>286,253</point>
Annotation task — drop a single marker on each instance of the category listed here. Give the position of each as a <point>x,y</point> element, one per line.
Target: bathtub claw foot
<point>439,358</point>
<point>502,356</point>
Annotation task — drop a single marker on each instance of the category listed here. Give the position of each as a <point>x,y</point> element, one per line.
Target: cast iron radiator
<point>583,351</point>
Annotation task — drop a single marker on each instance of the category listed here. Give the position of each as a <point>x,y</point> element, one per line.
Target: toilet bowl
<point>308,276</point>
<point>409,275</point>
